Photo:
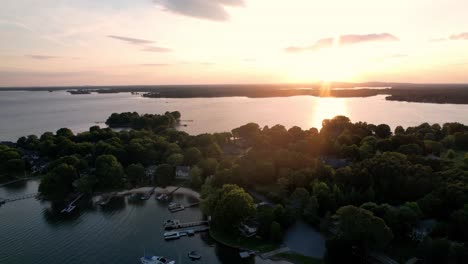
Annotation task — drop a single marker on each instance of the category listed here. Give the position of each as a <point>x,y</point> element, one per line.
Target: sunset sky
<point>112,42</point>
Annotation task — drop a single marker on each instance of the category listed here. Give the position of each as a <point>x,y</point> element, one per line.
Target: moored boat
<point>193,255</point>
<point>156,260</point>
<point>171,235</point>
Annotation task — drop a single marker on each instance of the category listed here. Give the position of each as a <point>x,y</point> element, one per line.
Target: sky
<point>132,42</point>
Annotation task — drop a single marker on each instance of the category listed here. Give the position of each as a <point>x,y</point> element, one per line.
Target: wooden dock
<point>23,197</point>
<point>148,194</point>
<point>15,181</point>
<point>178,225</point>
<point>71,206</point>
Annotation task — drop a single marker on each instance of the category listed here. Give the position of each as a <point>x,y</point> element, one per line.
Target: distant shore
<point>421,93</point>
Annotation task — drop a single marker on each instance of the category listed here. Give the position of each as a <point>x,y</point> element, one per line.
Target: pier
<point>189,232</point>
<point>9,200</point>
<point>71,206</point>
<point>15,181</point>
<point>175,207</point>
<point>148,194</point>
<point>176,224</point>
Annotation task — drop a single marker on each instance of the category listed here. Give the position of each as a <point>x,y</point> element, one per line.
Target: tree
<point>15,166</point>
<point>383,131</point>
<point>109,172</point>
<point>359,225</point>
<point>175,159</point>
<point>135,173</point>
<point>299,198</point>
<point>196,177</point>
<point>57,184</point>
<point>276,234</point>
<point>164,174</point>
<point>64,132</point>
<point>229,206</point>
<point>192,156</point>
<point>311,210</point>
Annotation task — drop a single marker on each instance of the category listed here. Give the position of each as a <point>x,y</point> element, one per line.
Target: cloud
<point>156,49</point>
<point>132,40</point>
<point>343,40</point>
<point>320,44</point>
<point>461,36</point>
<point>41,57</point>
<point>155,64</point>
<point>141,42</point>
<point>203,9</point>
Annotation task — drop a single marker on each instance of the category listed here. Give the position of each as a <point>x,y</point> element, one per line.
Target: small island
<point>373,193</point>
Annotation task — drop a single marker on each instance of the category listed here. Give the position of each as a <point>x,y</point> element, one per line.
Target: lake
<point>36,232</point>
<point>23,112</point>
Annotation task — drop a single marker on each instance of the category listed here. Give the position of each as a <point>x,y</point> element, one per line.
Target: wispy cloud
<point>156,49</point>
<point>146,44</point>
<point>461,36</point>
<point>203,9</point>
<point>155,64</point>
<point>343,40</point>
<point>41,57</point>
<point>131,40</point>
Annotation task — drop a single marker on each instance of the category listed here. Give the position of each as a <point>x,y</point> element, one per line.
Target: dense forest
<point>368,188</point>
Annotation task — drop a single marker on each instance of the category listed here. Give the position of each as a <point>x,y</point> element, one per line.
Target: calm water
<point>35,232</point>
<point>23,113</point>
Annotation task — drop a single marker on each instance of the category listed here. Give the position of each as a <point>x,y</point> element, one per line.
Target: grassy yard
<point>298,258</point>
<point>242,242</point>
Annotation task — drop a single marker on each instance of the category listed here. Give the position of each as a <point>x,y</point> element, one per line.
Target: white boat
<point>193,255</point>
<point>174,207</point>
<point>171,235</point>
<point>171,224</point>
<point>156,260</point>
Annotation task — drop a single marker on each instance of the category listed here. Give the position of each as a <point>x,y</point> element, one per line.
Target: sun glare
<point>327,108</point>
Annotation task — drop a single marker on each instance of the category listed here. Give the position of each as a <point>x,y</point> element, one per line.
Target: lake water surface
<point>37,233</point>
<point>24,113</point>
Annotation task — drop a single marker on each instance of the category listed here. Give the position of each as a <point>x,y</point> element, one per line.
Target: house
<point>422,229</point>
<point>150,170</point>
<point>182,173</point>
<point>248,229</point>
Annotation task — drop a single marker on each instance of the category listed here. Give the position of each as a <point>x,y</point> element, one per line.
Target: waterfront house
<point>248,229</point>
<point>182,173</point>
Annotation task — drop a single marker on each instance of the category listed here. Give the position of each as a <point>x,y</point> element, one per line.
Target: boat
<point>174,207</point>
<point>171,224</point>
<point>193,255</point>
<point>163,197</point>
<point>171,235</point>
<point>156,260</point>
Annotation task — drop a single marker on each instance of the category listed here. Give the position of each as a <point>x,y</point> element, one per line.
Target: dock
<point>175,207</point>
<point>176,224</point>
<point>71,206</point>
<point>18,198</point>
<point>188,232</point>
<point>15,181</point>
<point>166,196</point>
<point>148,194</point>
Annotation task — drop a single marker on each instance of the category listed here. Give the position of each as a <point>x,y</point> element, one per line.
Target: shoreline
<point>143,190</point>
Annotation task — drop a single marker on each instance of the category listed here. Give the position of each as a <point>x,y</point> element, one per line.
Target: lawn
<point>298,258</point>
<point>242,242</point>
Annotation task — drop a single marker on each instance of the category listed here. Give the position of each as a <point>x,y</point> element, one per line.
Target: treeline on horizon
<point>366,186</point>
<point>424,93</point>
